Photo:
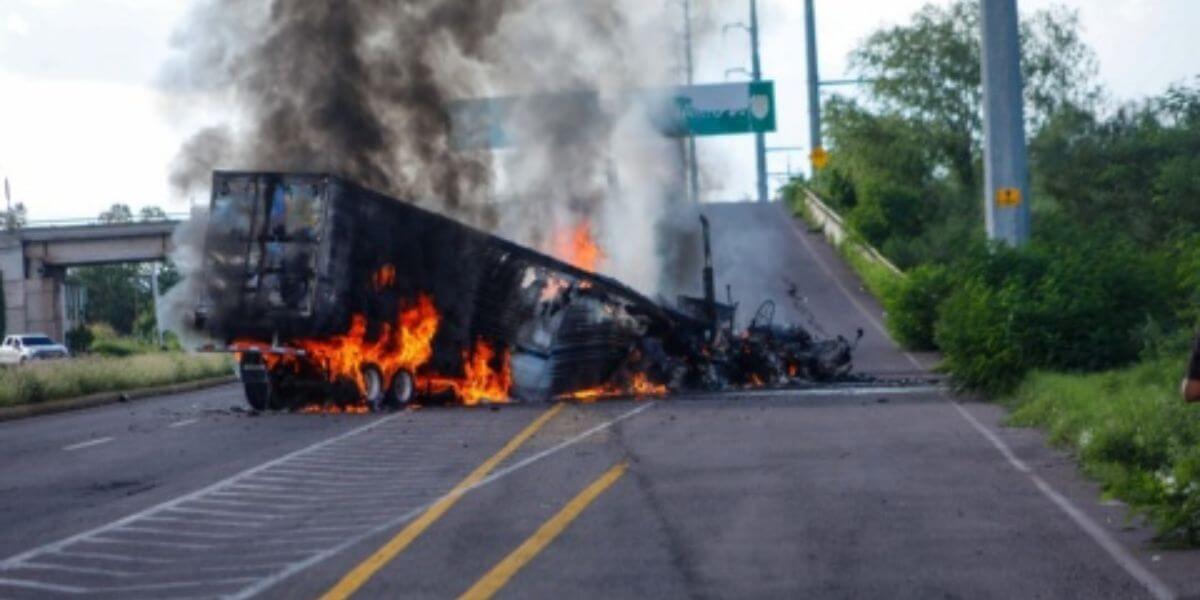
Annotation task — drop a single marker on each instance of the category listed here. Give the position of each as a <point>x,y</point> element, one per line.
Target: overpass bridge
<point>34,263</point>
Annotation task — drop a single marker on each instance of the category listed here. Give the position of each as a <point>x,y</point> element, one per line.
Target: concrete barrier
<point>837,233</point>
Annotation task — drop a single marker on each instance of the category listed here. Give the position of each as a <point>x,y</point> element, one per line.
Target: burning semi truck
<point>330,292</point>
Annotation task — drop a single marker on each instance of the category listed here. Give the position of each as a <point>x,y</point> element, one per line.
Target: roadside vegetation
<point>1084,330</point>
<point>52,380</point>
<point>1130,432</point>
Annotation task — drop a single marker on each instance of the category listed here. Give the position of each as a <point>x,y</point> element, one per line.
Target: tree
<point>117,294</point>
<point>152,213</point>
<point>929,72</point>
<point>117,213</point>
<point>12,220</point>
<point>1135,173</point>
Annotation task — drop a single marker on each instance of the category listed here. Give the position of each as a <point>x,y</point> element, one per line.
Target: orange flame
<point>639,387</point>
<point>481,381</point>
<point>335,409</point>
<point>577,246</point>
<point>407,345</point>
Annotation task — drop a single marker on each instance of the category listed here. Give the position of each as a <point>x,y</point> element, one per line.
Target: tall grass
<point>1131,432</point>
<point>52,380</point>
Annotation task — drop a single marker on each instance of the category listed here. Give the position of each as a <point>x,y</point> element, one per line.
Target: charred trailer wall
<point>298,256</point>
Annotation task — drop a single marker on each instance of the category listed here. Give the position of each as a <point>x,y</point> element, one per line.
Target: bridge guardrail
<point>837,232</point>
<point>182,216</point>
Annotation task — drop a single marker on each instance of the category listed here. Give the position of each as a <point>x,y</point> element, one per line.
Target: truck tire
<point>257,382</point>
<point>402,390</point>
<point>376,395</point>
<point>260,395</point>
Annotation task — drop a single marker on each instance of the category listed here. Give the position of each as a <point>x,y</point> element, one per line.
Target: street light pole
<point>693,168</point>
<point>760,141</point>
<point>814,78</point>
<point>1006,168</point>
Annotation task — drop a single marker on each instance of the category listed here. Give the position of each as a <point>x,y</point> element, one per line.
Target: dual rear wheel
<point>382,394</point>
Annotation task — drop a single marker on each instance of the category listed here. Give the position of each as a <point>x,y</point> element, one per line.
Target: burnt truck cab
<point>296,262</point>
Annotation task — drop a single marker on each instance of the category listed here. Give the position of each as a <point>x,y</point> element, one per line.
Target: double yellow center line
<point>496,578</point>
<point>359,576</point>
<point>500,574</point>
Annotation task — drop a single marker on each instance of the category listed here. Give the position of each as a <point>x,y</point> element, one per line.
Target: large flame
<point>481,381</point>
<point>406,345</point>
<point>578,247</point>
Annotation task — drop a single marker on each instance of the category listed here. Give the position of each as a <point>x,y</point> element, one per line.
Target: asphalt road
<point>859,493</point>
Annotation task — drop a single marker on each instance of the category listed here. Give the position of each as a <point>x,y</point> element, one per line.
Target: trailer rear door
<point>264,242</point>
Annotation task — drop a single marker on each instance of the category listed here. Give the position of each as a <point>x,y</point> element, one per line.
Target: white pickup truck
<point>20,349</point>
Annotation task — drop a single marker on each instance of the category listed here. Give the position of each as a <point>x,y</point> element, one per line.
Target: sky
<point>83,126</point>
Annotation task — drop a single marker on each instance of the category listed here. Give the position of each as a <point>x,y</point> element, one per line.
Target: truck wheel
<point>259,395</point>
<point>257,382</point>
<point>403,389</point>
<point>376,394</point>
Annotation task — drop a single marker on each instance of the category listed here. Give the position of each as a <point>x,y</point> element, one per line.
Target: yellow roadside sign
<point>1008,197</point>
<point>819,158</point>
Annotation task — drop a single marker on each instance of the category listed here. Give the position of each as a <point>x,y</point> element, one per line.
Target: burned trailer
<point>326,289</point>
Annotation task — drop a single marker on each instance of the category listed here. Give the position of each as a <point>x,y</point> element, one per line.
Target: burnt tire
<point>257,382</point>
<point>260,395</point>
<point>376,393</point>
<point>403,389</point>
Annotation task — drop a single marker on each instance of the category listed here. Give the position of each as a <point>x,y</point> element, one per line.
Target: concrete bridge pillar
<point>12,272</point>
<point>44,301</point>
<point>33,291</point>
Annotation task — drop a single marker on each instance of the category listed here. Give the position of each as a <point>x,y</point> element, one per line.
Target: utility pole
<point>693,168</point>
<point>760,140</point>
<point>1006,168</point>
<point>814,80</point>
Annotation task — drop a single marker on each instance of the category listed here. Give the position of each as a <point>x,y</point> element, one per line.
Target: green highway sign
<point>722,109</point>
<point>698,110</point>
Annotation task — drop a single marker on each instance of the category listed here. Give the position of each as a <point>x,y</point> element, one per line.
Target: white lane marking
<point>1157,587</point>
<point>16,560</point>
<point>265,488</point>
<point>183,423</point>
<point>171,586</point>
<point>37,585</point>
<point>182,533</point>
<point>112,557</point>
<point>1153,584</point>
<point>181,545</point>
<point>266,583</point>
<point>253,518</point>
<point>852,392</point>
<point>206,522</point>
<point>259,505</point>
<point>87,444</point>
<point>81,570</point>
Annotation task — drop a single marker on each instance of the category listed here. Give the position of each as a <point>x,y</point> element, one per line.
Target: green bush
<point>1077,305</point>
<point>79,340</point>
<point>122,347</point>
<point>1131,432</point>
<point>912,306</point>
